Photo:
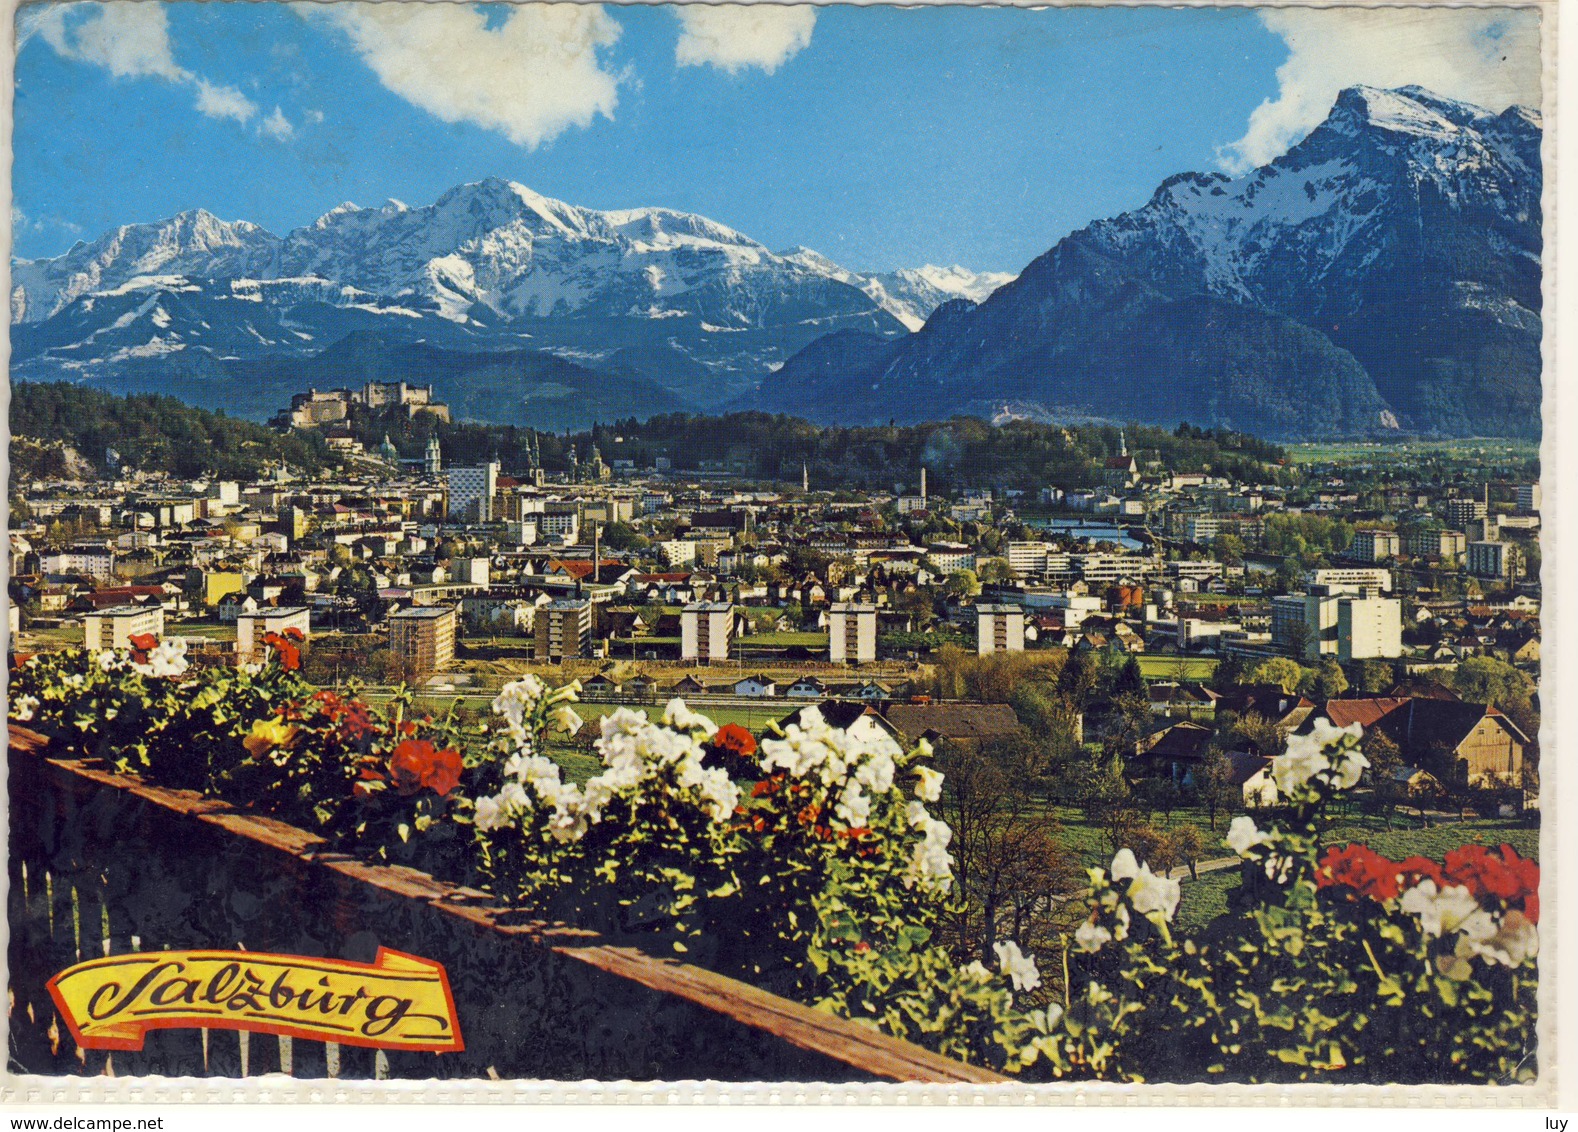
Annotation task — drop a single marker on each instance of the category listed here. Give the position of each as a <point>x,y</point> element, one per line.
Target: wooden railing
<point>104,864</point>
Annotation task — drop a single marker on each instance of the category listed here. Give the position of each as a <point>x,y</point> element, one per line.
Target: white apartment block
<point>950,560</point>
<point>705,630</point>
<point>1374,546</point>
<point>471,571</point>
<point>114,628</point>
<point>852,633</point>
<point>471,491</point>
<point>677,552</point>
<point>1372,578</point>
<point>1369,628</point>
<point>1350,622</point>
<point>1026,558</point>
<point>1528,497</point>
<point>251,628</point>
<point>94,561</point>
<point>999,628</point>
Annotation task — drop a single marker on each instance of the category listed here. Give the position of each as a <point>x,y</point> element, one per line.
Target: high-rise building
<point>852,633</point>
<point>1350,622</point>
<point>1465,512</point>
<point>1374,546</point>
<point>1529,498</point>
<point>423,636</point>
<point>1369,627</point>
<point>251,628</point>
<point>564,630</point>
<point>471,491</point>
<point>999,628</point>
<point>706,629</point>
<point>115,627</point>
<point>433,458</point>
<point>1491,559</point>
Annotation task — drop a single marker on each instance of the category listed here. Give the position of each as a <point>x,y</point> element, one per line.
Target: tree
<point>962,583</point>
<point>994,570</point>
<point>1330,680</point>
<point>1229,549</point>
<point>1279,670</point>
<point>1214,785</point>
<point>1009,863</point>
<point>1188,846</point>
<point>1130,682</point>
<point>1386,793</point>
<point>622,536</point>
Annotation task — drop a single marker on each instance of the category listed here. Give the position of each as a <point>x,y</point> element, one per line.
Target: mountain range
<point>689,304</point>
<point>1382,275</point>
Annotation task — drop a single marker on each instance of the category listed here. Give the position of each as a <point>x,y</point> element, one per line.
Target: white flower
<point>1442,911</point>
<point>490,815</point>
<point>1243,835</point>
<point>931,865</point>
<point>566,719</point>
<point>1019,967</point>
<point>1297,765</point>
<point>1150,893</point>
<point>252,668</point>
<point>929,788</point>
<point>1349,767</point>
<point>168,659</point>
<point>516,701</point>
<point>917,814</point>
<point>681,718</point>
<point>854,808</point>
<point>977,971</point>
<point>1515,940</point>
<point>109,661</point>
<point>1124,866</point>
<point>24,707</point>
<point>1091,937</point>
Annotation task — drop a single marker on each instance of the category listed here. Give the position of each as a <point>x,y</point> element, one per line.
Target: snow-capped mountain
<point>491,265</point>
<point>910,294</point>
<point>1384,272</point>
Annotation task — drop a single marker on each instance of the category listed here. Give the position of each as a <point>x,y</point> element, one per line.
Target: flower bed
<point>808,864</point>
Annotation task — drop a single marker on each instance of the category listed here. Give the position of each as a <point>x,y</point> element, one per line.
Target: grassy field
<point>1166,667</point>
<point>1378,452</point>
<point>783,640</point>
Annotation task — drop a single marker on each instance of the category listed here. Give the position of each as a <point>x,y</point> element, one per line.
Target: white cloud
<point>530,77</point>
<point>224,102</point>
<point>277,126</point>
<point>1487,56</point>
<point>732,37</point>
<point>315,117</point>
<point>128,39</point>
<point>131,39</point>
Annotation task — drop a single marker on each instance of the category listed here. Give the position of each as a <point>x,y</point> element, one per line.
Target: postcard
<point>991,548</point>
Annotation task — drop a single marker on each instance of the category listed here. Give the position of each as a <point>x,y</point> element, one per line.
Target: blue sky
<point>881,137</point>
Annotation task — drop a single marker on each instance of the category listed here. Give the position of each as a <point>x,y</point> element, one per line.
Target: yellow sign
<point>398,1001</point>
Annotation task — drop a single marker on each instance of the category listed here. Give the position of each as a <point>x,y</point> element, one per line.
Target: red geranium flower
<point>294,634</point>
<point>1416,869</point>
<point>416,764</point>
<point>1360,868</point>
<point>143,642</point>
<point>289,655</point>
<point>735,739</point>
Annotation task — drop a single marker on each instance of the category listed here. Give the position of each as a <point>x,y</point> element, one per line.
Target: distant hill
<point>151,433</point>
<point>1384,274</point>
<point>521,387</point>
